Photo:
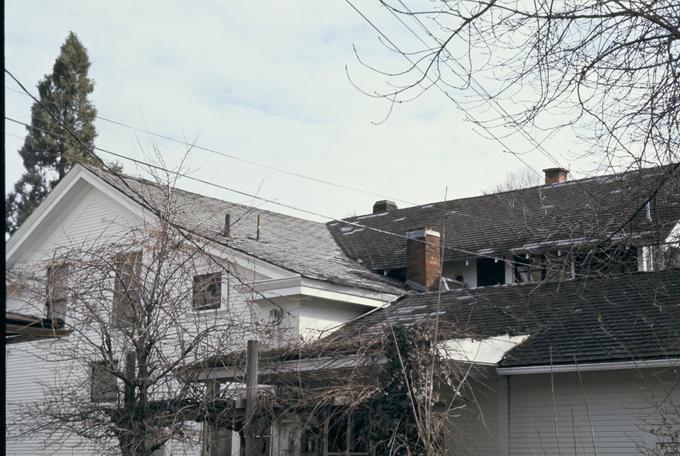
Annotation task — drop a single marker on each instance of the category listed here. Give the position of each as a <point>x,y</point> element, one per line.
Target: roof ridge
<point>145,181</point>
<point>515,191</point>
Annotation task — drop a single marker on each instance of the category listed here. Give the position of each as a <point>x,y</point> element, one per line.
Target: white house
<point>279,267</point>
<point>310,277</point>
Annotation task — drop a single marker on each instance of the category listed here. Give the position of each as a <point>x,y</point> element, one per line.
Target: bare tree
<point>516,180</point>
<point>609,68</point>
<point>141,304</point>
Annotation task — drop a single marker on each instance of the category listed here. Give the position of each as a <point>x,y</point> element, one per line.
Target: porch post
<point>251,397</point>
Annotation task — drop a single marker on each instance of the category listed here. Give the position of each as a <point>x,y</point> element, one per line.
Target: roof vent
<point>227,225</point>
<point>555,175</point>
<point>384,206</point>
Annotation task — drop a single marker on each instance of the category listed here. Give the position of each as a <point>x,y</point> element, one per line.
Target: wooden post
<point>251,397</point>
<point>210,431</point>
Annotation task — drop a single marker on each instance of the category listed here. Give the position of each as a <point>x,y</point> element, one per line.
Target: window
<point>103,384</point>
<point>490,272</point>
<point>529,270</point>
<point>207,291</point>
<point>57,292</point>
<point>340,434</point>
<point>126,288</point>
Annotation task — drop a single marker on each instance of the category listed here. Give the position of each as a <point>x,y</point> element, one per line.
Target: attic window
<point>207,291</point>
<point>57,292</point>
<point>103,383</point>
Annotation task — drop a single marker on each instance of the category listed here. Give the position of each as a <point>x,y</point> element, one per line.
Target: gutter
<point>589,367</point>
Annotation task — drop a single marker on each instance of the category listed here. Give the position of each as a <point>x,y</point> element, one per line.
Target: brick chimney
<point>555,175</point>
<point>423,259</point>
<point>384,206</point>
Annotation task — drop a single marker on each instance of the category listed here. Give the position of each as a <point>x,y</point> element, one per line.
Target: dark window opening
<point>103,382</point>
<point>207,291</point>
<point>126,288</point>
<point>490,272</point>
<point>398,274</point>
<point>341,434</point>
<point>57,292</point>
<point>607,261</point>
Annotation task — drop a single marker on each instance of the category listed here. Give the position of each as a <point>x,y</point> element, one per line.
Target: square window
<point>103,382</point>
<point>207,291</point>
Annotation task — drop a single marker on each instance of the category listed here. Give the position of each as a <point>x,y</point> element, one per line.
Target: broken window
<point>57,292</point>
<point>529,268</point>
<point>103,383</point>
<point>126,289</point>
<point>207,291</point>
<point>490,271</point>
<point>606,261</point>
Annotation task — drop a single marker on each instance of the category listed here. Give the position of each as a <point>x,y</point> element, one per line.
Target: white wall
<point>603,413</point>
<point>612,412</point>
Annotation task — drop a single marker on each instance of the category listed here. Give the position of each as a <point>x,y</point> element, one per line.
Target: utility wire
<point>478,87</point>
<point>262,199</point>
<point>241,159</point>
<point>487,96</point>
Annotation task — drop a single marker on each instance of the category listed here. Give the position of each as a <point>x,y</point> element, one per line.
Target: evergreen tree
<point>49,150</point>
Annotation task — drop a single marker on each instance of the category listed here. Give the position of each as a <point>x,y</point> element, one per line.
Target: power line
<point>25,92</point>
<point>241,159</point>
<point>425,74</point>
<point>260,198</point>
<point>478,87</point>
<point>266,200</point>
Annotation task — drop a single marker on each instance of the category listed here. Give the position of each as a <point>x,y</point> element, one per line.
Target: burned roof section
<point>626,318</point>
<point>552,216</point>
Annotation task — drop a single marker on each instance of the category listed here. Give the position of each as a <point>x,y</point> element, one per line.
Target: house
<point>254,264</point>
<point>579,367</point>
<point>309,278</point>
<point>557,304</point>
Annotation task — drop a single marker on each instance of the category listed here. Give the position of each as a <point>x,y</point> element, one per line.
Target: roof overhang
<point>27,328</point>
<point>589,367</point>
<point>270,372</point>
<point>272,289</point>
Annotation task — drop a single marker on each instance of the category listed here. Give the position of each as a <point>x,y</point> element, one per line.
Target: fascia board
<point>589,367</point>
<point>246,261</point>
<point>293,286</point>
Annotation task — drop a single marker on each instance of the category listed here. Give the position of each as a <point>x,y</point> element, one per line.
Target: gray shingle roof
<point>629,317</point>
<point>295,244</point>
<point>528,219</point>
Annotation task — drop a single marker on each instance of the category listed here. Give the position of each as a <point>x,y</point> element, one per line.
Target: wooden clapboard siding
<point>623,406</point>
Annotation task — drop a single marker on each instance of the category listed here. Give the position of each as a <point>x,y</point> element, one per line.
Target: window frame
<point>210,279</point>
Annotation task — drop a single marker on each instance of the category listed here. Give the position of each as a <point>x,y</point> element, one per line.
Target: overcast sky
<point>265,81</point>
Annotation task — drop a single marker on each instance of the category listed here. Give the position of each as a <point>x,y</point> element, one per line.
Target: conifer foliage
<point>50,149</point>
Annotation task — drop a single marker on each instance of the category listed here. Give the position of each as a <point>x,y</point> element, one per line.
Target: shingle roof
<point>302,246</point>
<point>630,317</point>
<point>528,219</point>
